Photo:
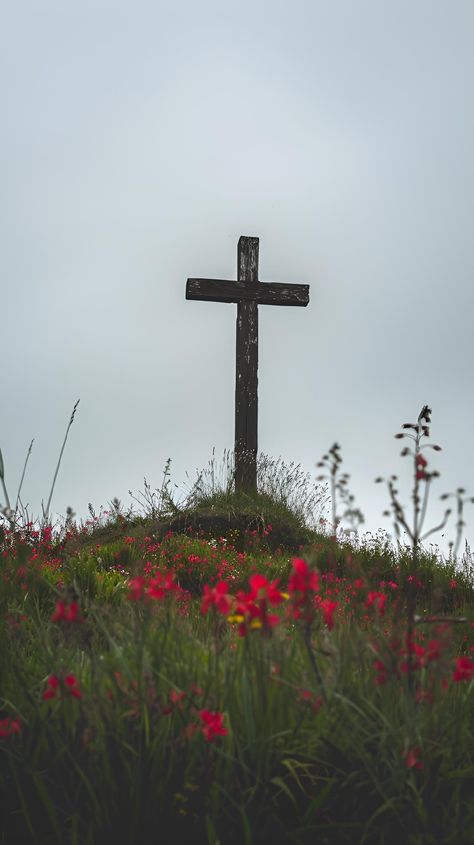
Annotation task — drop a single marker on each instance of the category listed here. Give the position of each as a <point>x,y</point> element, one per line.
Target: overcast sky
<point>139,141</point>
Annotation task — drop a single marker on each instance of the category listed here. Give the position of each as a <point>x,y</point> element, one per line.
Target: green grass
<point>300,762</point>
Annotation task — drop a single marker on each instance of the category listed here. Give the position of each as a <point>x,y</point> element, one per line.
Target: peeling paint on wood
<point>248,293</point>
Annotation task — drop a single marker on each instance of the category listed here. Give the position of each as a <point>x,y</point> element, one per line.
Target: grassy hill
<point>227,673</point>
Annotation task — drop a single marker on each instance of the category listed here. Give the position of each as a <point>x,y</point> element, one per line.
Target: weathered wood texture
<point>246,371</point>
<point>248,293</point>
<point>264,293</point>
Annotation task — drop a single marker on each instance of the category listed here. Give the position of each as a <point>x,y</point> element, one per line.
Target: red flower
<point>66,612</point>
<point>9,726</point>
<point>377,598</point>
<point>56,688</point>
<point>161,585</point>
<point>412,758</point>
<point>72,686</point>
<point>212,724</point>
<point>217,597</point>
<point>251,609</point>
<point>136,586</point>
<point>464,669</point>
<point>382,673</point>
<point>328,607</point>
<point>52,684</point>
<point>316,701</point>
<point>433,650</point>
<point>421,461</point>
<point>302,578</point>
<point>302,584</point>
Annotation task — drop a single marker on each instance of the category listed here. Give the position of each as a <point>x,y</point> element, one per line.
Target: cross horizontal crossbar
<point>264,293</point>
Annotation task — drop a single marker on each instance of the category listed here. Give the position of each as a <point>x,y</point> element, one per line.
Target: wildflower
<point>72,686</point>
<point>464,669</point>
<point>316,701</point>
<point>382,673</point>
<point>161,585</point>
<point>302,578</point>
<point>66,612</point>
<point>217,597</point>
<point>52,684</point>
<point>377,598</point>
<point>136,587</point>
<point>56,688</point>
<point>175,701</point>
<point>9,726</point>
<point>251,610</point>
<point>412,758</point>
<point>302,584</point>
<point>328,607</point>
<point>212,724</point>
<point>433,650</point>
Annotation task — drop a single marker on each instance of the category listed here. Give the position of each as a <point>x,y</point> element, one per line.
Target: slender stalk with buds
<point>332,460</point>
<point>461,500</point>
<point>422,478</point>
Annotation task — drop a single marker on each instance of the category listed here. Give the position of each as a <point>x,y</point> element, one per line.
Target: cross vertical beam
<point>248,293</point>
<point>246,372</point>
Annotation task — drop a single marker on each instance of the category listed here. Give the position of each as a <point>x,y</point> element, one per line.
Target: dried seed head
<point>460,490</point>
<point>425,414</point>
<point>378,480</point>
<point>399,436</point>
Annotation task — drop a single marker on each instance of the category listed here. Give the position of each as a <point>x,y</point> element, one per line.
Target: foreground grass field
<point>214,691</point>
<point>225,673</point>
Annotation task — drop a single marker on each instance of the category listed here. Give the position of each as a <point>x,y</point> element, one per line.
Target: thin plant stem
<point>314,664</point>
<point>23,475</point>
<point>46,512</point>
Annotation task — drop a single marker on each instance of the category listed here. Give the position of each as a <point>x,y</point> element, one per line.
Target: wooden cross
<point>248,293</point>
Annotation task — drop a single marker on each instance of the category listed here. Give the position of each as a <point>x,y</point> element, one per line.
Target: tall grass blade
<point>46,512</point>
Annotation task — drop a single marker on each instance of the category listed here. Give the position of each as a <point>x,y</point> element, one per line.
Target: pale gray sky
<point>140,140</point>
